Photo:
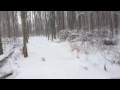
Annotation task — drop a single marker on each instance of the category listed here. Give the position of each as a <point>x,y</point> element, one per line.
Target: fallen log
<point>5,58</point>
<point>7,75</point>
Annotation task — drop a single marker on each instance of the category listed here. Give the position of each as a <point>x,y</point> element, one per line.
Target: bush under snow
<point>63,34</point>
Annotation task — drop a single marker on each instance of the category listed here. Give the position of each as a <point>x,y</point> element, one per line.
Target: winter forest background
<point>88,35</point>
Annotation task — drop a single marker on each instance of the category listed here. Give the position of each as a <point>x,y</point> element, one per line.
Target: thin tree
<point>52,20</point>
<point>1,49</point>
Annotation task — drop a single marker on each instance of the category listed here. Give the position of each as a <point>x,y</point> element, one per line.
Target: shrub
<point>63,34</point>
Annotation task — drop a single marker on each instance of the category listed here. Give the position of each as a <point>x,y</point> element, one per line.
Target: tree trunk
<point>53,25</point>
<point>1,49</point>
<point>13,20</point>
<point>23,15</point>
<point>8,25</point>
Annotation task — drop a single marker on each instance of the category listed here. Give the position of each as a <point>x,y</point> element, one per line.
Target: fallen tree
<point>5,76</point>
<point>4,57</point>
<point>3,60</point>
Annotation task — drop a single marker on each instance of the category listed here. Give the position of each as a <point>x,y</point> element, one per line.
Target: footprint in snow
<point>85,68</point>
<point>43,59</point>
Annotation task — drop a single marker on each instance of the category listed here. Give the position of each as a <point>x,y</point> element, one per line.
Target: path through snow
<point>59,63</point>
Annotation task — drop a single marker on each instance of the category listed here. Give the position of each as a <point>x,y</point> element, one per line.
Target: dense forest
<point>49,23</point>
<point>99,27</point>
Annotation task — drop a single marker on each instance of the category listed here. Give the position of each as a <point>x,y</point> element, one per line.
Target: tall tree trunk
<point>13,20</point>
<point>8,25</point>
<point>23,15</point>
<point>1,49</point>
<point>46,24</point>
<point>53,24</point>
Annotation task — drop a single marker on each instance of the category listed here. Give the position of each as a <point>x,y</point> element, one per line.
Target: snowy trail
<point>60,63</point>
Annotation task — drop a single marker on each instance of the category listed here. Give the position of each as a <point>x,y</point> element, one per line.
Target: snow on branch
<point>6,54</point>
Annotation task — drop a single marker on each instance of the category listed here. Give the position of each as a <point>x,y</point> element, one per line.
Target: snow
<point>5,69</point>
<point>7,59</point>
<point>52,60</point>
<point>6,53</point>
<point>8,45</point>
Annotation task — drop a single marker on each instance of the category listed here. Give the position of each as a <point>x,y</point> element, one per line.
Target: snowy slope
<point>51,60</point>
<point>8,59</point>
<point>7,48</point>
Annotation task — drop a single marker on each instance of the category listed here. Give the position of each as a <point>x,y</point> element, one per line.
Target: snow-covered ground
<point>52,60</point>
<point>8,58</point>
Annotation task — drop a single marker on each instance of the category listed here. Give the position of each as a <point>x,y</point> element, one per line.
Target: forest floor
<point>52,60</point>
<point>8,60</point>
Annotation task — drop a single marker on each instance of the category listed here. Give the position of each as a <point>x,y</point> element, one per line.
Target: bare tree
<point>52,20</point>
<point>23,16</point>
<point>1,49</point>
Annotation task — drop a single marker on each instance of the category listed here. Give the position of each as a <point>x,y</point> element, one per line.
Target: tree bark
<point>23,15</point>
<point>1,49</point>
